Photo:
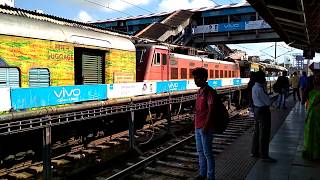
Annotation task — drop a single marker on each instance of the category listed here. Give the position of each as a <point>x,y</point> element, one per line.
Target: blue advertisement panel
<point>225,27</point>
<point>170,86</point>
<point>24,98</point>
<point>215,83</point>
<point>237,82</point>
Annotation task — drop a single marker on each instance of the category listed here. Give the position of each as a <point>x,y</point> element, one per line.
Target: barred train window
<point>174,73</point>
<point>190,73</point>
<point>184,73</point>
<point>9,77</point>
<point>39,77</point>
<point>211,74</point>
<point>216,73</point>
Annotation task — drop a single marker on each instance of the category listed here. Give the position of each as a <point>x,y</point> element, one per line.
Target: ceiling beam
<point>305,22</point>
<point>285,9</point>
<point>298,33</point>
<point>290,21</point>
<point>290,25</point>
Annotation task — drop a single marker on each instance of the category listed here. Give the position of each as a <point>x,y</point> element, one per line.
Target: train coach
<point>38,50</point>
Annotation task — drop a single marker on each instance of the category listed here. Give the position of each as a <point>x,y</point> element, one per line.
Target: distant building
<point>254,58</point>
<point>238,55</point>
<point>7,3</point>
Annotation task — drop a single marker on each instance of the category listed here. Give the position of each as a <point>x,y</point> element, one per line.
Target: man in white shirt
<point>262,115</point>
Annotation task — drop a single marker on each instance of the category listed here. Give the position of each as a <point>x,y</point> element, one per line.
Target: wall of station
<point>27,98</point>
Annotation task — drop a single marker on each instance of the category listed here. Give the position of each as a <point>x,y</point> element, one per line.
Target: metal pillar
<point>307,68</point>
<point>46,152</point>
<point>132,144</point>
<point>131,129</point>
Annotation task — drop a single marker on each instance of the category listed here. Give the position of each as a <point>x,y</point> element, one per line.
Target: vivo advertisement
<point>215,83</point>
<point>225,27</point>
<point>24,98</point>
<point>236,26</point>
<point>237,82</point>
<point>170,86</point>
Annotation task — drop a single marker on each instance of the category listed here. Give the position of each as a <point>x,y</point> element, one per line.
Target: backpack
<point>221,114</point>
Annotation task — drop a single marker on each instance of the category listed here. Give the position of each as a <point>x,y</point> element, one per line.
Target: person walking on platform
<point>303,85</point>
<point>295,86</point>
<point>249,90</point>
<point>203,124</point>
<point>283,86</point>
<point>262,116</point>
<point>312,126</point>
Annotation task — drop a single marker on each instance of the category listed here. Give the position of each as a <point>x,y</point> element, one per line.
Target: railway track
<point>177,159</point>
<point>114,144</point>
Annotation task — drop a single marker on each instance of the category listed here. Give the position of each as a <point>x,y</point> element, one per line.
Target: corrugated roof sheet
<point>56,20</point>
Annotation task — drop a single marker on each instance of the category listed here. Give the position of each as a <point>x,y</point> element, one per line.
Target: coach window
<point>216,73</point>
<point>229,74</point>
<point>221,73</point>
<point>164,59</point>
<point>211,74</point>
<point>9,77</point>
<point>184,73</point>
<point>225,74</point>
<point>39,77</point>
<point>156,59</point>
<point>233,74</point>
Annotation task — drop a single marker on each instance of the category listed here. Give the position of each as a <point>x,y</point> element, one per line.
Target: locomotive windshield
<point>140,52</point>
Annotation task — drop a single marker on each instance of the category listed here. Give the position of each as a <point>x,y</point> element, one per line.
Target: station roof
<point>153,15</point>
<point>296,21</point>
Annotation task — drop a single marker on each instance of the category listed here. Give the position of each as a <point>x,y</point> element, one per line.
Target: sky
<point>94,10</point>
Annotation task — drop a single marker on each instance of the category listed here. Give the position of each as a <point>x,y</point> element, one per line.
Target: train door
<point>89,66</point>
<point>161,58</point>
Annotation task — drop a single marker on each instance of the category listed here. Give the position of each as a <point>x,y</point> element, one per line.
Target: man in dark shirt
<point>283,83</point>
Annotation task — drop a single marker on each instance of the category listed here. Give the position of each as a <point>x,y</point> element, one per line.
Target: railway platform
<point>286,146</point>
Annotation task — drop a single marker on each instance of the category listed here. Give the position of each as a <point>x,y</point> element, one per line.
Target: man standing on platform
<point>283,83</point>
<point>262,115</point>
<point>204,124</point>
<point>295,86</point>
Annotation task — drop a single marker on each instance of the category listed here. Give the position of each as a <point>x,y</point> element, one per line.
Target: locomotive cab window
<point>140,54</point>
<point>156,59</point>
<point>164,59</point>
<point>39,77</point>
<point>9,77</point>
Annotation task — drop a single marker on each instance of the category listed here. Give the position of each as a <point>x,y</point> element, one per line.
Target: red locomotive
<point>161,63</point>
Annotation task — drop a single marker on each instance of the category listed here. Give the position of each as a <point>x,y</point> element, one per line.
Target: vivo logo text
<point>65,93</point>
<point>231,26</point>
<point>173,85</point>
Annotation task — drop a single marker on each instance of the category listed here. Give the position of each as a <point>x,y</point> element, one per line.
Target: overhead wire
<point>107,7</point>
<point>136,6</point>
